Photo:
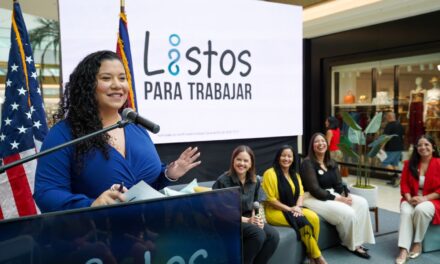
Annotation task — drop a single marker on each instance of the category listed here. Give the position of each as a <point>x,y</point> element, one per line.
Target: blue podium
<point>197,228</point>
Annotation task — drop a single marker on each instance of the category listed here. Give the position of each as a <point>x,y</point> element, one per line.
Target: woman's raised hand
<point>185,162</point>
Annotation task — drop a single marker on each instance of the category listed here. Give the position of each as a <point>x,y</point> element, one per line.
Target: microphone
<point>256,208</point>
<point>130,115</point>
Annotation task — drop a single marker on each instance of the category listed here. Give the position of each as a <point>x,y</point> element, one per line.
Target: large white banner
<point>204,70</point>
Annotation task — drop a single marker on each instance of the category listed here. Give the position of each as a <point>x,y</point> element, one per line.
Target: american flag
<point>23,124</point>
<point>124,52</point>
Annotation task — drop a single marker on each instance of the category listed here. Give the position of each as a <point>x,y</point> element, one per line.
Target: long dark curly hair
<point>415,156</point>
<point>79,106</point>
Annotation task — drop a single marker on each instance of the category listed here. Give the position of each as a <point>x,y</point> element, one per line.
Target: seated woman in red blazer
<point>420,204</point>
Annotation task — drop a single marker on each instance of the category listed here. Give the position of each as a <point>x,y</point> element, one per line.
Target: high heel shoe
<point>364,248</point>
<point>402,260</point>
<point>320,260</point>
<point>309,261</point>
<point>413,255</point>
<point>360,252</point>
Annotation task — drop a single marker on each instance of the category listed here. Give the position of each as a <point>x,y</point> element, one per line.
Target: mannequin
<point>432,111</point>
<point>416,111</point>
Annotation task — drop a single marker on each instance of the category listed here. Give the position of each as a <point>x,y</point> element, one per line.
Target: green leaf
<point>344,140</point>
<point>356,136</point>
<point>350,121</point>
<point>352,136</point>
<point>378,143</point>
<point>374,124</point>
<point>347,151</point>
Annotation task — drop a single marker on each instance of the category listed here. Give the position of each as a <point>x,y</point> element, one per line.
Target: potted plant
<point>363,154</point>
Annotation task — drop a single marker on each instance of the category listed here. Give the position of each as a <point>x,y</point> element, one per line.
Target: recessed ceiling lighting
<point>333,7</point>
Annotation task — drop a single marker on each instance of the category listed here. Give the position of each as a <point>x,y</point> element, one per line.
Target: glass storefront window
<point>46,51</point>
<point>385,86</point>
<point>407,86</point>
<point>354,88</point>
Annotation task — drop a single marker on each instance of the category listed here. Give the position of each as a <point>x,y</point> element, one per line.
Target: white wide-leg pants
<point>353,223</point>
<point>414,222</point>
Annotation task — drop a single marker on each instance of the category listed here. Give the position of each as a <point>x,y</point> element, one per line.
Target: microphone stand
<point>119,124</point>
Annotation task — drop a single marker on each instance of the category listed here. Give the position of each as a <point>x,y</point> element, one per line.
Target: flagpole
<point>17,200</point>
<point>123,50</point>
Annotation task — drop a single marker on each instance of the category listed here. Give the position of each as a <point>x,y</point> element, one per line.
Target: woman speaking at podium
<point>87,173</point>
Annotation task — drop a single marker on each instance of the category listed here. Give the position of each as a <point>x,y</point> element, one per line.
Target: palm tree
<point>44,37</point>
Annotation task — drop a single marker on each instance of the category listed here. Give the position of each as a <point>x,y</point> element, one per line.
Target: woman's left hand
<point>185,162</point>
<point>257,220</point>
<point>347,200</point>
<point>415,200</point>
<point>297,211</point>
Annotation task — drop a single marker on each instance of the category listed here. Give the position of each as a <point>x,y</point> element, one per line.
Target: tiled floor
<point>389,196</point>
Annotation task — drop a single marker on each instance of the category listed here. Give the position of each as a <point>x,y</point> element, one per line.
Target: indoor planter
<point>363,154</point>
<point>370,194</point>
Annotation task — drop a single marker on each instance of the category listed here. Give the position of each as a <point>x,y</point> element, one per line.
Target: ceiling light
<point>333,7</point>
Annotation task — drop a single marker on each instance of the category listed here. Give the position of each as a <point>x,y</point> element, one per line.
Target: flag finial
<point>122,6</point>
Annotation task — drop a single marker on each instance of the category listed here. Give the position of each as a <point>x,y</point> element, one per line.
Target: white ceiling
<point>321,19</point>
<point>343,16</point>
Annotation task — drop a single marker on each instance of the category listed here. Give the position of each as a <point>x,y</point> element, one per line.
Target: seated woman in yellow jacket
<point>283,206</point>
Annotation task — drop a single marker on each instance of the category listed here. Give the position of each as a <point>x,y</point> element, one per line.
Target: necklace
<point>117,140</point>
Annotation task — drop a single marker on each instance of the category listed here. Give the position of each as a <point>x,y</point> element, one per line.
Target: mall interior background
<point>371,50</point>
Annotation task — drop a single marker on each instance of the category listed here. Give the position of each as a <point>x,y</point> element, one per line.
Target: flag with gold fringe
<point>23,124</point>
<point>124,52</point>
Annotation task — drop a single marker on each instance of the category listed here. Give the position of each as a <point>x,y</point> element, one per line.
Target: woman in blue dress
<point>83,175</point>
